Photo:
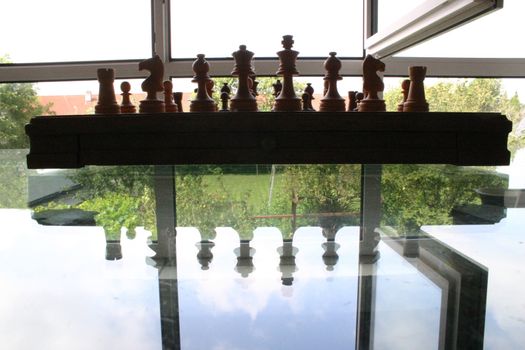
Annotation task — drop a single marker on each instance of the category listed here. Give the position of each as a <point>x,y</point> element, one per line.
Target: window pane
<point>391,11</point>
<point>221,26</point>
<point>64,30</point>
<point>492,36</point>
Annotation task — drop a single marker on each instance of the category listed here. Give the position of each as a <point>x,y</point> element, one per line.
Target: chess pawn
<point>243,101</point>
<point>126,106</point>
<point>170,106</point>
<point>177,98</point>
<point>332,101</point>
<point>287,100</point>
<point>152,85</point>
<point>225,88</point>
<point>306,102</point>
<point>358,98</point>
<point>225,97</point>
<point>352,101</point>
<point>277,87</point>
<point>416,101</point>
<point>405,85</point>
<point>310,91</point>
<point>202,101</point>
<point>107,102</point>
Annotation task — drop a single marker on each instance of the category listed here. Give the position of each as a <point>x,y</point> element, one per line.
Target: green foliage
<point>18,103</point>
<point>415,195</point>
<point>13,178</point>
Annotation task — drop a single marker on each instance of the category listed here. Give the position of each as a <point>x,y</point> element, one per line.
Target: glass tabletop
<point>262,257</point>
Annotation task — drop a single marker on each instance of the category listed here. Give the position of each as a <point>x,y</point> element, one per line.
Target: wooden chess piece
<point>332,101</point>
<point>359,96</point>
<point>372,85</point>
<point>277,87</point>
<point>254,86</point>
<point>177,97</point>
<point>287,100</point>
<point>152,85</point>
<point>416,101</point>
<point>225,97</point>
<point>202,101</point>
<point>405,86</point>
<point>169,103</point>
<point>310,91</point>
<point>125,105</point>
<point>243,99</point>
<point>107,102</point>
<point>352,101</point>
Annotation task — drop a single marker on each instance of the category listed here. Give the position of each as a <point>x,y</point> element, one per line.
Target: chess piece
<point>352,101</point>
<point>332,101</point>
<point>287,253</point>
<point>202,101</point>
<point>287,100</point>
<point>243,99</point>
<point>358,98</point>
<point>177,97</point>
<point>310,91</point>
<point>416,101</point>
<point>152,85</point>
<point>254,85</point>
<point>405,86</point>
<point>125,105</point>
<point>225,97</point>
<point>277,87</point>
<point>170,106</point>
<point>305,97</point>
<point>107,102</point>
<point>372,85</point>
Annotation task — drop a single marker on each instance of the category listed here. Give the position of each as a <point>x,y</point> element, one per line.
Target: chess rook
<point>202,101</point>
<point>243,101</point>
<point>287,99</point>
<point>332,101</point>
<point>107,102</point>
<point>125,105</point>
<point>152,85</point>
<point>416,101</point>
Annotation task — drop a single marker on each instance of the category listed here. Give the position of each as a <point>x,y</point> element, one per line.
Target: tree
<point>18,103</point>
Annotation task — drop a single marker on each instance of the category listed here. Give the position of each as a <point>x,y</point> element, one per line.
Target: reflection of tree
<point>415,195</point>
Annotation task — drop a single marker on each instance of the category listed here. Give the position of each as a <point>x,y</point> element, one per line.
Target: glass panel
<point>221,26</point>
<point>389,12</point>
<point>73,31</point>
<point>489,36</point>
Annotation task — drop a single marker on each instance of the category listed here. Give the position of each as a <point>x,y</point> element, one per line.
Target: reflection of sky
<point>58,288</point>
<point>501,248</point>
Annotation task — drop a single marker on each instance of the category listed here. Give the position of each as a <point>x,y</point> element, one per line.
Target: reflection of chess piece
<point>352,101</point>
<point>152,85</point>
<point>113,250</point>
<point>416,101</point>
<point>287,265</point>
<point>405,86</point>
<point>287,100</point>
<point>205,255</point>
<point>170,105</point>
<point>125,105</point>
<point>202,101</point>
<point>243,99</point>
<point>372,86</point>
<point>107,103</point>
<point>177,97</point>
<point>332,101</point>
<point>330,256</point>
<point>244,258</point>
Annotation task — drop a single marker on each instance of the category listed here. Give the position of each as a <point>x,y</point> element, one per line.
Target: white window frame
<point>128,69</point>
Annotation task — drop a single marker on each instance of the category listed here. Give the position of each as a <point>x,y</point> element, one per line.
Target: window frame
<point>181,68</point>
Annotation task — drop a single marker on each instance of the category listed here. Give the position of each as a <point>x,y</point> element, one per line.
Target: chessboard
<point>269,138</point>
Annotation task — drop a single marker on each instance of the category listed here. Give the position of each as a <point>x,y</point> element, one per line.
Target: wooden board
<point>268,138</point>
